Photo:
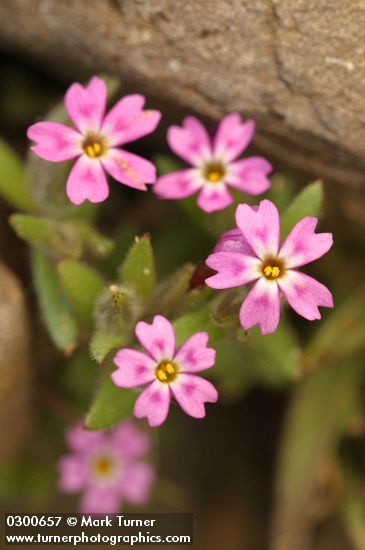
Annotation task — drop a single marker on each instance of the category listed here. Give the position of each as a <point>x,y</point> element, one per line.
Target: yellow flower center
<point>273,268</point>
<point>271,272</point>
<point>94,146</point>
<point>214,172</point>
<point>166,371</point>
<point>103,466</point>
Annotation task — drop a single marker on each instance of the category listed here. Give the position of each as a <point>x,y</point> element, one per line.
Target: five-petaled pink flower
<point>106,467</point>
<point>252,252</point>
<point>166,372</point>
<point>95,141</point>
<point>214,164</point>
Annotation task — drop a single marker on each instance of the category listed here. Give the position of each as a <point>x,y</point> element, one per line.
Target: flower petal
<point>234,269</point>
<point>178,185</point>
<point>72,473</point>
<point>303,245</point>
<point>121,116</point>
<point>153,403</point>
<point>136,482</point>
<point>131,441</point>
<point>145,123</point>
<point>100,500</point>
<point>305,294</point>
<point>191,392</point>
<point>194,356</point>
<point>84,441</point>
<point>214,197</point>
<point>233,241</point>
<point>135,368</point>
<point>86,105</point>
<point>158,338</point>
<point>130,169</point>
<point>127,122</point>
<point>55,142</point>
<point>260,227</point>
<point>191,142</point>
<point>261,307</point>
<point>250,175</point>
<point>87,181</point>
<point>233,136</point>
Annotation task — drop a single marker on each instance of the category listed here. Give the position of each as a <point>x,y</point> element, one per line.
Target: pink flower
<point>252,252</point>
<point>94,141</point>
<point>166,372</point>
<point>105,466</point>
<point>214,164</point>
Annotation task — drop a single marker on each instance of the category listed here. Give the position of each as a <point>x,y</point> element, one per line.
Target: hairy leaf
<point>61,324</point>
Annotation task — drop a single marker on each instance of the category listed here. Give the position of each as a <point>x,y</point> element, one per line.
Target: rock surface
<point>15,411</point>
<point>297,66</point>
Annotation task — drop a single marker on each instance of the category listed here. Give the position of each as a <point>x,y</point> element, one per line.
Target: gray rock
<point>297,66</point>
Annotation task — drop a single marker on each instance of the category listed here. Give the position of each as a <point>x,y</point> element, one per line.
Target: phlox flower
<point>165,372</point>
<point>252,253</point>
<point>95,140</point>
<point>214,164</point>
<point>106,467</point>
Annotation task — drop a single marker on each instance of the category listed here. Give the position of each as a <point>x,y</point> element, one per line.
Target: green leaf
<point>353,507</point>
<point>166,164</point>
<point>215,223</point>
<point>94,241</point>
<point>79,378</point>
<point>62,238</point>
<point>111,405</point>
<point>138,270</point>
<point>317,417</point>
<point>171,294</point>
<point>276,357</point>
<point>103,342</point>
<point>233,370</point>
<point>116,309</point>
<point>307,203</point>
<point>82,285</point>
<point>13,185</point>
<point>198,321</point>
<point>281,191</point>
<point>61,325</point>
<point>340,335</point>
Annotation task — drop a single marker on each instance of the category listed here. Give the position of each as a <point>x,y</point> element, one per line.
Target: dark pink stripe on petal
<point>233,136</point>
<point>86,105</point>
<point>87,181</point>
<point>55,142</point>
<point>305,294</point>
<point>192,392</point>
<point>261,307</point>
<point>134,368</point>
<point>194,355</point>
<point>234,269</point>
<point>158,338</point>
<point>177,185</point>
<point>260,227</point>
<point>191,142</point>
<point>214,197</point>
<point>153,403</point>
<point>303,245</point>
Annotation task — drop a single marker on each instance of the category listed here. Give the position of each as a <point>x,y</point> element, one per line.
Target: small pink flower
<point>166,372</point>
<point>95,141</point>
<point>214,164</point>
<point>252,252</point>
<point>105,466</point>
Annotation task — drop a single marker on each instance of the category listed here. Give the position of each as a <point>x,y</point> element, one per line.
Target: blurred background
<point>279,463</point>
